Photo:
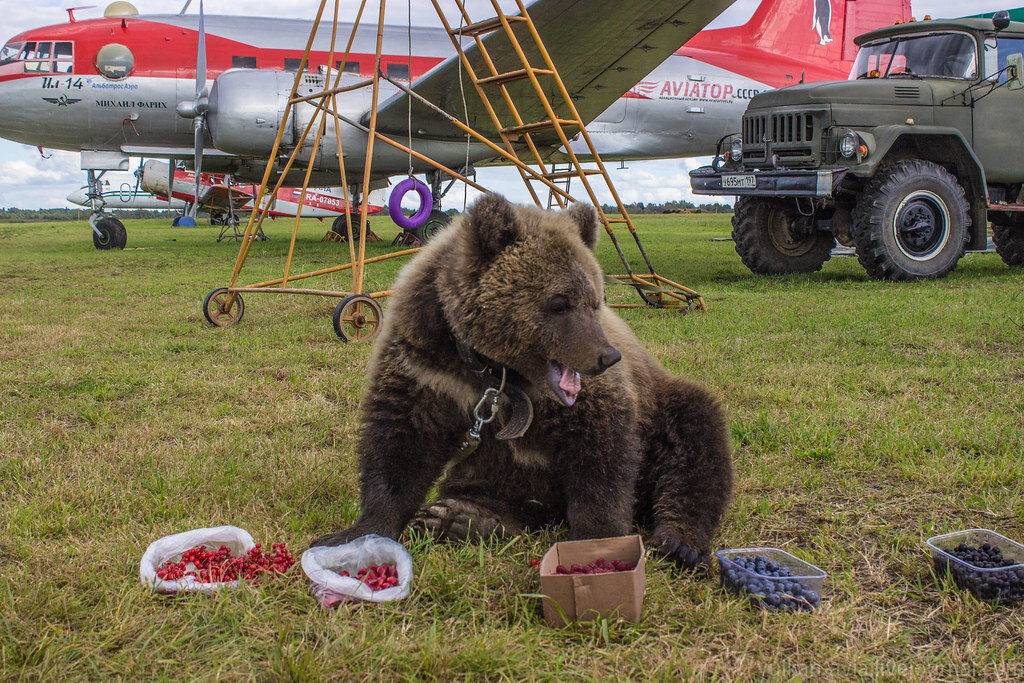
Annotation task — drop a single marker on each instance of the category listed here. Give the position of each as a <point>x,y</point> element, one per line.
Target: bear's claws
<point>339,537</point>
<point>683,555</point>
<point>455,520</point>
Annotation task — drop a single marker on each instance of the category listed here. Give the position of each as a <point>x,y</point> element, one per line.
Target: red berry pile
<point>211,566</point>
<point>377,576</point>
<point>599,566</point>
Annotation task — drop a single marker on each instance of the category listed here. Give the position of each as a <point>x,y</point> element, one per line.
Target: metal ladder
<point>561,116</point>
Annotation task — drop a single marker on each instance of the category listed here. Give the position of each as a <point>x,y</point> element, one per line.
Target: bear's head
<point>523,288</point>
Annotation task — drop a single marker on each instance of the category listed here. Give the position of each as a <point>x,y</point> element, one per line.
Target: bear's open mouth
<point>564,381</point>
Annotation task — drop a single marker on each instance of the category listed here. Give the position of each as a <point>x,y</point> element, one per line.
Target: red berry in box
<point>599,566</point>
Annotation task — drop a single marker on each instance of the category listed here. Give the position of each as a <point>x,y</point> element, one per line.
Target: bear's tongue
<point>565,381</point>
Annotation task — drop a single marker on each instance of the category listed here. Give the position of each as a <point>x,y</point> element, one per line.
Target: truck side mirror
<point>1015,73</point>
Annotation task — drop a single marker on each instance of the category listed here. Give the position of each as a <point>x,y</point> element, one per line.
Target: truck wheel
<point>1008,236</point>
<point>772,238</point>
<point>910,222</point>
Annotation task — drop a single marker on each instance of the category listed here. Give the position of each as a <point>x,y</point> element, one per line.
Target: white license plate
<point>747,180</point>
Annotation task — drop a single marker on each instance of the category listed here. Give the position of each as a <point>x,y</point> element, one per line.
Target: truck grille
<point>778,128</point>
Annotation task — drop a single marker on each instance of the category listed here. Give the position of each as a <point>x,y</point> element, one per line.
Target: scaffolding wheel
<point>216,311</point>
<point>357,318</point>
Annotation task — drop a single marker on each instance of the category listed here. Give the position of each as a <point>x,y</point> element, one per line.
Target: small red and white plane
<point>222,198</point>
<point>646,80</point>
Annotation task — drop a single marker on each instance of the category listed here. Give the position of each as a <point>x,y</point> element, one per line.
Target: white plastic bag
<point>171,548</point>
<point>322,564</point>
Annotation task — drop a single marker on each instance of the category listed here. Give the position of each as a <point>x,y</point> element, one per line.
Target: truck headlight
<point>736,150</point>
<point>848,145</point>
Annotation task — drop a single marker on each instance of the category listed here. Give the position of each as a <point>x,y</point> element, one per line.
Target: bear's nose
<point>610,357</point>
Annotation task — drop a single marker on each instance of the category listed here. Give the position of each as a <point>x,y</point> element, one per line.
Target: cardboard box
<point>585,597</point>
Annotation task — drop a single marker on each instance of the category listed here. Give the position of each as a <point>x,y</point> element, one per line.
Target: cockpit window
<point>9,53</point>
<point>39,61</point>
<point>27,52</point>
<point>63,56</point>
<point>942,55</point>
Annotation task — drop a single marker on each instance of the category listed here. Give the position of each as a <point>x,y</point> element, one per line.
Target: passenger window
<point>399,72</point>
<point>238,62</point>
<point>115,61</point>
<point>348,67</point>
<point>292,64</point>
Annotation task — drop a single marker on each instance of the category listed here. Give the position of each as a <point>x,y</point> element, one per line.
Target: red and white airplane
<point>126,85</point>
<point>221,197</point>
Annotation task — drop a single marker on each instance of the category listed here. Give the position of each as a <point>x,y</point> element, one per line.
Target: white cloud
<point>62,167</point>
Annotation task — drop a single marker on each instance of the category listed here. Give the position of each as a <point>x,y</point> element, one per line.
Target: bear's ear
<point>585,218</point>
<point>493,224</point>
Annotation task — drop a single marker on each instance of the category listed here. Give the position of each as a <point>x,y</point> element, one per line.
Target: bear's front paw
<point>456,520</point>
<point>338,538</point>
<point>683,555</point>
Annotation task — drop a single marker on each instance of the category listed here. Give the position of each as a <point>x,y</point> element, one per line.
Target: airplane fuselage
<point>59,97</point>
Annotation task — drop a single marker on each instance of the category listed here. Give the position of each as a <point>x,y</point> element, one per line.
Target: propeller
<point>197,108</point>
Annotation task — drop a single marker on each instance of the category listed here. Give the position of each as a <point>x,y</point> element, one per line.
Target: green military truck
<point>908,161</point>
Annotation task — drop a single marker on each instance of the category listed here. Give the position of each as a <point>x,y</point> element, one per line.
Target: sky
<point>27,180</point>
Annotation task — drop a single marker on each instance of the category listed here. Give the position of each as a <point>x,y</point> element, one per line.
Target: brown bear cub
<point>512,298</point>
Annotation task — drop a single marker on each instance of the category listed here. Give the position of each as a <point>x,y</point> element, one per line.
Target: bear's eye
<point>557,304</point>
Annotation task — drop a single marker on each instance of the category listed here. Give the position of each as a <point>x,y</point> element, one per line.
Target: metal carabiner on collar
<point>471,440</point>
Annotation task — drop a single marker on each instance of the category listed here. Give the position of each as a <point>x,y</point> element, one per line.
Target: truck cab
<point>908,160</point>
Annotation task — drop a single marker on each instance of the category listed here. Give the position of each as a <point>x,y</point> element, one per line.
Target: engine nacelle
<point>246,108</point>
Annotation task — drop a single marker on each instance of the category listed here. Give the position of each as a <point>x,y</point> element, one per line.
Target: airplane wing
<point>601,48</point>
<point>224,197</point>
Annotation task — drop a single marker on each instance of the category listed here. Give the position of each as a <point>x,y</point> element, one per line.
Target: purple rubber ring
<point>395,204</point>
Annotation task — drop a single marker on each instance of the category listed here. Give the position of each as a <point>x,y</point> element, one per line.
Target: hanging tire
<point>773,238</point>
<point>1008,236</point>
<point>436,222</point>
<point>112,234</point>
<point>911,222</point>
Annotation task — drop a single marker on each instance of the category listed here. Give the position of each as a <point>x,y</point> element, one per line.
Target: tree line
<point>670,207</point>
<point>13,215</point>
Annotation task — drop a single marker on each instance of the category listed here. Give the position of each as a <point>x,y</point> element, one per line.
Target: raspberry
<point>599,566</point>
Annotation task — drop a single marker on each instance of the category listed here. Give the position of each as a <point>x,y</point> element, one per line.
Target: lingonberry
<point>376,577</point>
<point>210,566</point>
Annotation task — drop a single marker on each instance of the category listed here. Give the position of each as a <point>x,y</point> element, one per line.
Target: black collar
<point>491,373</point>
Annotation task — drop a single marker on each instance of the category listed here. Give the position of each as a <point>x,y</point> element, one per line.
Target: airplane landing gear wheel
<point>112,234</point>
<point>357,318</point>
<point>436,221</point>
<point>216,310</point>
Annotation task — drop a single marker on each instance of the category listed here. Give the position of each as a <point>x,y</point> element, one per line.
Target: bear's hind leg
<point>687,474</point>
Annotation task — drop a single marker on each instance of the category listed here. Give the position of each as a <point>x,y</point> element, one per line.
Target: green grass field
<point>866,416</point>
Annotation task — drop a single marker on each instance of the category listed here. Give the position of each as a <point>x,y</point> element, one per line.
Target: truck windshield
<point>9,53</point>
<point>942,55</point>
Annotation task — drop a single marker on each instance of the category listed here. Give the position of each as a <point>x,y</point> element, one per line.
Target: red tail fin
<point>814,38</point>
